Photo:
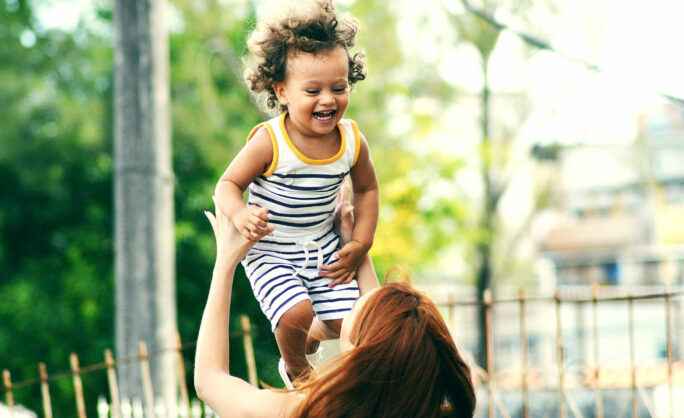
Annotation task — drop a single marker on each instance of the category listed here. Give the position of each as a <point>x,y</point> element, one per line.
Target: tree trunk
<point>144,253</point>
<point>484,248</point>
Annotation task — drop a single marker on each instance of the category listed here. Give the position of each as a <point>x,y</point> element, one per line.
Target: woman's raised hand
<point>230,244</point>
<point>344,214</point>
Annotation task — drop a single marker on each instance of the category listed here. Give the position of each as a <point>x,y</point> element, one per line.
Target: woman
<point>398,359</point>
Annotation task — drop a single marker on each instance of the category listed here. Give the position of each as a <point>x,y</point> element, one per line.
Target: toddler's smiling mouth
<point>324,116</point>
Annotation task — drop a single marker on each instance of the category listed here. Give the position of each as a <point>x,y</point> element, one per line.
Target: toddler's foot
<point>316,357</point>
<point>283,374</point>
<point>312,346</point>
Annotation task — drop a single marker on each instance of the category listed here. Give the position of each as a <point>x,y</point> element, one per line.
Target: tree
<point>144,267</point>
<point>496,166</point>
<point>55,202</point>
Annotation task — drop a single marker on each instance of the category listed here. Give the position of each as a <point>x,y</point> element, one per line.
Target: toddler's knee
<point>334,324</point>
<point>299,316</point>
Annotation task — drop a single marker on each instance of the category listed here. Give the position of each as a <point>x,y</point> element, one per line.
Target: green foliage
<point>56,206</point>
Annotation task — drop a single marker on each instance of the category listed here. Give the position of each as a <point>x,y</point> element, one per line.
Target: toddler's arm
<point>365,185</point>
<point>254,159</point>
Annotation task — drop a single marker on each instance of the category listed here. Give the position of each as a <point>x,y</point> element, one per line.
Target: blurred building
<point>618,216</point>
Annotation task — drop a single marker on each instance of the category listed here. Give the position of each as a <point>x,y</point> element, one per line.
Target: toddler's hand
<point>348,260</point>
<point>252,222</point>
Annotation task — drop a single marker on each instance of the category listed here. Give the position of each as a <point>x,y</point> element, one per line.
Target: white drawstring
<point>304,245</point>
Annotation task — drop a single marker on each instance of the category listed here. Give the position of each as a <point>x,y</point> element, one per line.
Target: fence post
<point>78,385</point>
<point>9,396</point>
<point>249,350</point>
<point>559,353</point>
<point>489,338</point>
<point>45,390</point>
<point>113,385</point>
<point>668,329</point>
<point>523,342</point>
<point>597,381</point>
<point>146,378</point>
<point>632,365</point>
<point>185,398</point>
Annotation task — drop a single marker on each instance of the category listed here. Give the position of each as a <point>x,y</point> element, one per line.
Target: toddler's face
<point>316,90</point>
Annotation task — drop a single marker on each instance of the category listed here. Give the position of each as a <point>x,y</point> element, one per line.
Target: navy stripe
<point>276,265</point>
<point>287,205</point>
<point>315,292</point>
<point>292,243</point>
<point>281,294</point>
<point>298,197</point>
<point>300,215</point>
<point>261,289</point>
<point>276,254</point>
<point>312,176</point>
<point>332,300</point>
<point>250,262</point>
<point>268,292</point>
<point>337,288</point>
<point>333,311</point>
<point>279,307</point>
<point>294,224</point>
<point>321,188</point>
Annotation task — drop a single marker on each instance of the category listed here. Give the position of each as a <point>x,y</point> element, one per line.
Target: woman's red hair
<point>404,364</point>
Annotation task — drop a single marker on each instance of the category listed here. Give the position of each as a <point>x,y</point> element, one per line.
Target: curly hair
<point>307,26</point>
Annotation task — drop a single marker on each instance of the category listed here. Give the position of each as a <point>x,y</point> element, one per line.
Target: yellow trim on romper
<point>274,161</point>
<point>357,138</point>
<point>306,159</point>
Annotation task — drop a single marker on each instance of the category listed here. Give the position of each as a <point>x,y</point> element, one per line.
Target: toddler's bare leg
<point>321,331</point>
<point>291,335</point>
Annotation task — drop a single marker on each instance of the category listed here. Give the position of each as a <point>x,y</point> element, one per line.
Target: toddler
<point>294,166</point>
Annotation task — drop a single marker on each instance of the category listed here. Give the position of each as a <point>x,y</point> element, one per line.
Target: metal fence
<point>118,407</point>
<point>559,384</point>
<point>511,390</point>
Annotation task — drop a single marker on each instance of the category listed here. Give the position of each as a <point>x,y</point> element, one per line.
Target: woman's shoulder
<point>275,403</point>
<point>261,403</point>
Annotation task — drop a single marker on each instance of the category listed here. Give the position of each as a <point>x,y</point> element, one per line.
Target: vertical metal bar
<point>185,398</point>
<point>523,346</point>
<point>113,385</point>
<point>146,378</point>
<point>597,381</point>
<point>632,363</point>
<point>559,352</point>
<point>249,350</point>
<point>45,391</point>
<point>489,336</point>
<point>668,329</point>
<point>9,395</point>
<point>78,385</point>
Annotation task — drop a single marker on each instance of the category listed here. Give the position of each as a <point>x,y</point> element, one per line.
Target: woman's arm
<point>225,394</point>
<point>344,224</point>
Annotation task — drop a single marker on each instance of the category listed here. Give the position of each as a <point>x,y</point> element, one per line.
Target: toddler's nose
<point>326,97</point>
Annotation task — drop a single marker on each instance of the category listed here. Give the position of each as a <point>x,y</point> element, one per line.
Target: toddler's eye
<point>340,90</point>
<point>312,91</point>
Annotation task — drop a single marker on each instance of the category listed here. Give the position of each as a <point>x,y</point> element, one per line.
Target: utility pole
<point>144,236</point>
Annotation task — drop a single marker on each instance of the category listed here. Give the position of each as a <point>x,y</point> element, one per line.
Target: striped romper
<point>300,195</point>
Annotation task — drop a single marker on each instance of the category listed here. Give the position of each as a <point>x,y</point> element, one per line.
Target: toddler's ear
<point>279,89</point>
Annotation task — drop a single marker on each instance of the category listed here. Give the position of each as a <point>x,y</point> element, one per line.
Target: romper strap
<point>274,142</point>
